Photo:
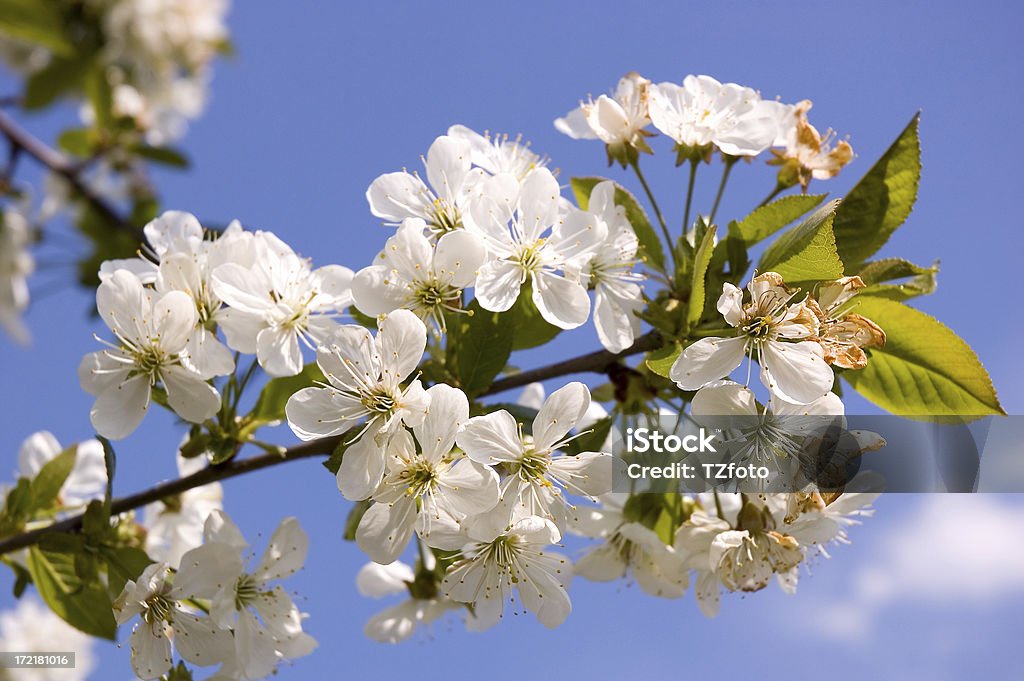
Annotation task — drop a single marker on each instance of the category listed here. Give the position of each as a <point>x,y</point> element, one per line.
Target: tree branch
<point>57,163</point>
<point>235,467</point>
<point>594,362</point>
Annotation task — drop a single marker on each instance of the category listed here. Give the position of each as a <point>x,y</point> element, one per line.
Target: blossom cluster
<point>490,216</point>
<point>493,497</point>
<point>156,57</point>
<point>215,610</point>
<point>702,115</point>
<point>166,310</point>
<point>477,485</point>
<point>159,54</point>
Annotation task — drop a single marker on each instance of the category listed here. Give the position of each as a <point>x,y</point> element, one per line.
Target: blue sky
<point>323,97</point>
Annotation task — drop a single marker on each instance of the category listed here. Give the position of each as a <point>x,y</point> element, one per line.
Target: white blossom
<point>498,154</point>
<point>703,112</point>
<point>617,293</point>
<point>443,202</point>
<point>152,333</point>
<point>536,244</point>
<point>364,376</point>
<point>429,492</point>
<point>158,57</point>
<point>628,548</point>
<point>159,603</point>
<point>693,545</point>
<point>538,475</point>
<point>398,622</point>
<point>414,274</point>
<point>267,624</point>
<point>770,327</point>
<point>175,525</point>
<point>191,273</point>
<point>494,564</point>
<point>173,232</point>
<point>279,301</point>
<point>812,520</point>
<point>618,121</point>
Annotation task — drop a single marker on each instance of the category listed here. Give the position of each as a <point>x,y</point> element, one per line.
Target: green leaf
<point>50,478</point>
<point>529,328</point>
<point>162,155</point>
<point>661,361</point>
<point>96,523</point>
<point>770,218</point>
<point>178,673</point>
<point>354,517</point>
<point>650,246</point>
<point>806,252</point>
<point>482,348</point>
<point>85,606</point>
<point>333,462</point>
<point>701,260</point>
<point>592,441</point>
<point>58,78</point>
<point>363,320</point>
<point>878,275</point>
<point>110,465</point>
<point>270,404</point>
<point>108,243</point>
<point>123,563</point>
<point>101,96</point>
<point>523,415</point>
<point>881,200</point>
<point>76,141</point>
<point>22,578</point>
<point>17,508</point>
<point>37,22</point>
<point>924,369</point>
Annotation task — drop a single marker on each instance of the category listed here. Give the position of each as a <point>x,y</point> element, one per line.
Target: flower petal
<point>286,552</point>
<point>191,398</point>
<point>796,372</point>
<point>385,529</point>
<point>707,360</point>
<point>119,409</point>
<point>376,581</point>
<point>559,414</point>
<point>491,438</point>
<point>361,469</point>
<point>562,302</point>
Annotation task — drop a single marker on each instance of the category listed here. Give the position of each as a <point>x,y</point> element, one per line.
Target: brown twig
<point>57,163</point>
<point>595,362</point>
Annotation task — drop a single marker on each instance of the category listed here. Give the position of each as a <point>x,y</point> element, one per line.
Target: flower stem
<point>689,193</point>
<point>657,210</point>
<point>730,161</point>
<point>779,188</point>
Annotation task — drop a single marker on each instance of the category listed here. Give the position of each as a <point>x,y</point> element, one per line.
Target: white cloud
<point>950,551</point>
